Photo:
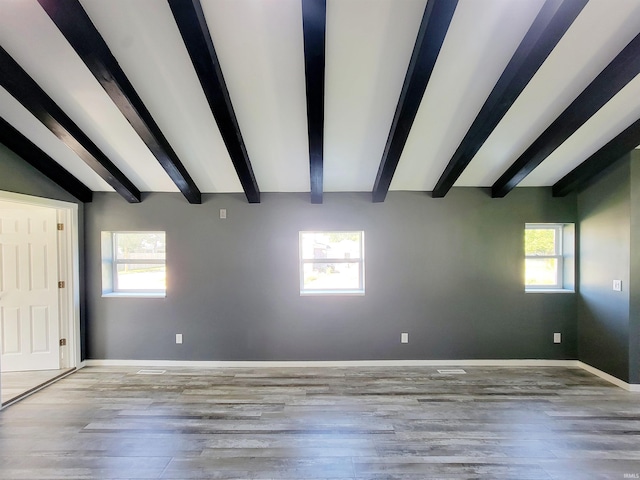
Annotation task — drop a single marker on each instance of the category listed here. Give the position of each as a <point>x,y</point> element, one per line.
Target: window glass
<point>541,271</point>
<point>139,245</point>
<point>133,276</point>
<point>540,241</point>
<point>134,263</point>
<point>139,261</point>
<point>543,256</point>
<point>331,262</point>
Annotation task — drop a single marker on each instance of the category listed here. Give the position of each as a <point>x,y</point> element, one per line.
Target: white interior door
<point>29,323</point>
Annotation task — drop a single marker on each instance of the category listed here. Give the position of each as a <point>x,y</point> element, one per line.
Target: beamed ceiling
<point>221,96</point>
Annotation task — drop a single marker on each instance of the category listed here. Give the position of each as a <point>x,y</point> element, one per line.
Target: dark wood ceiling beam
<point>599,162</point>
<point>603,88</point>
<point>433,29</point>
<point>30,153</point>
<point>74,23</point>
<point>551,23</point>
<point>314,25</point>
<point>24,89</point>
<point>192,24</point>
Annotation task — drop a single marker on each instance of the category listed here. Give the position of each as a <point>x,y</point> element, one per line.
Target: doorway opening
<point>39,293</point>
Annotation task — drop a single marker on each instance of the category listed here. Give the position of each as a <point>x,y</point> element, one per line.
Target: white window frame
<point>558,254</point>
<point>110,263</point>
<point>331,291</point>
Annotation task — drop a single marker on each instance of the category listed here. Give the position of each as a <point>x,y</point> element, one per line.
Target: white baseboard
<point>322,363</point>
<point>631,387</point>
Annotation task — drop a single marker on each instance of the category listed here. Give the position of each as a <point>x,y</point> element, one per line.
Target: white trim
<point>133,295</point>
<point>110,262</point>
<point>343,293</point>
<point>74,329</point>
<point>631,387</point>
<point>43,202</point>
<point>548,290</point>
<point>322,363</point>
<point>360,291</point>
<point>69,211</point>
<point>558,255</point>
<point>64,301</point>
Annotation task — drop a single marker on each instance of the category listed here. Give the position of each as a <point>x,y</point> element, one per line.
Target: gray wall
<point>603,315</point>
<point>447,271</point>
<point>18,176</point>
<point>609,223</point>
<point>634,294</point>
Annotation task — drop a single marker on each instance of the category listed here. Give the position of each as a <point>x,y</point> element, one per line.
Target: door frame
<point>68,270</point>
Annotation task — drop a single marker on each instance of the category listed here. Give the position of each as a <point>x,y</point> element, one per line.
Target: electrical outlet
<point>617,285</point>
<point>557,338</point>
<point>178,338</point>
<point>404,338</point>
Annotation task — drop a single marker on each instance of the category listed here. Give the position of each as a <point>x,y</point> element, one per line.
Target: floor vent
<point>452,371</point>
<point>151,372</point>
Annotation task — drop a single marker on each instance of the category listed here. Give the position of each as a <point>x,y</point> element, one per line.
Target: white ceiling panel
<point>599,33</point>
<point>145,40</point>
<point>25,28</point>
<point>368,48</point>
<point>32,128</point>
<point>260,48</point>
<point>480,42</point>
<point>613,118</point>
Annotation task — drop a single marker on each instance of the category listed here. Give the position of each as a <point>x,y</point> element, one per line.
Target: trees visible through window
<point>543,256</point>
<point>332,262</point>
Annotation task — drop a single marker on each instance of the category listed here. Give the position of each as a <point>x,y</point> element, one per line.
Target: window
<point>331,263</point>
<point>548,256</point>
<point>134,263</point>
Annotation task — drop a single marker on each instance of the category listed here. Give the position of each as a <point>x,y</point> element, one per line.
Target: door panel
<point>29,324</point>
<point>40,330</point>
<point>9,265</point>
<point>38,266</point>
<point>10,331</point>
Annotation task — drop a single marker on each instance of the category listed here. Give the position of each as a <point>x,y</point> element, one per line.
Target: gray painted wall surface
<point>18,176</point>
<point>634,294</point>
<point>447,271</point>
<point>605,233</point>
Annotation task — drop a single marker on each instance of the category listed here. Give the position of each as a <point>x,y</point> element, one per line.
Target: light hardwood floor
<point>324,423</point>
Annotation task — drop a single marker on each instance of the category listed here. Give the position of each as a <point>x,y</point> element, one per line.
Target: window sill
<point>334,293</point>
<point>548,290</point>
<point>133,295</point>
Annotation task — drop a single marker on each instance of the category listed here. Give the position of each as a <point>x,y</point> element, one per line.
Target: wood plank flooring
<point>324,423</point>
<point>15,385</point>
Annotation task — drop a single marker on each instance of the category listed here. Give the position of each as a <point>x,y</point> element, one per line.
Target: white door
<point>29,325</point>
